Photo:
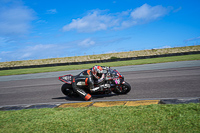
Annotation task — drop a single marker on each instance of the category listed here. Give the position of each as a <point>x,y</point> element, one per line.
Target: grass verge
<point>112,64</point>
<point>101,56</point>
<point>152,118</point>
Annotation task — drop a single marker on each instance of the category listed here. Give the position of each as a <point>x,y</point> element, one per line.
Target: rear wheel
<point>68,90</point>
<point>122,89</point>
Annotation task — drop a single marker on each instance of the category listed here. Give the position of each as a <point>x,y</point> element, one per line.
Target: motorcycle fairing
<point>66,78</point>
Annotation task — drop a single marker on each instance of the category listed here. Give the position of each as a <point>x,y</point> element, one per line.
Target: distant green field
<point>181,118</point>
<point>149,52</point>
<point>112,64</point>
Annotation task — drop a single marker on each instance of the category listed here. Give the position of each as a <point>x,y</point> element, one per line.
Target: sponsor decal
<point>81,83</point>
<point>81,92</point>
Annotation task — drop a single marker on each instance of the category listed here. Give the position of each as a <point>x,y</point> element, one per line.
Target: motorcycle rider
<point>88,78</point>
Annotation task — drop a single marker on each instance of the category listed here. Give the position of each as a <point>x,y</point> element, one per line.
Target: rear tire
<point>124,89</point>
<point>68,90</point>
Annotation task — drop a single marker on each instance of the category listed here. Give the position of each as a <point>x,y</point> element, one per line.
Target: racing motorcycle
<point>113,82</point>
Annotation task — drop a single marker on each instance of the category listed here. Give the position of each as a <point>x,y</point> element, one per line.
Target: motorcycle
<point>113,82</point>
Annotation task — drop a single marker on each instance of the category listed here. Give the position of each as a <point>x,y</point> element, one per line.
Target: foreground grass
<point>153,118</point>
<point>111,64</point>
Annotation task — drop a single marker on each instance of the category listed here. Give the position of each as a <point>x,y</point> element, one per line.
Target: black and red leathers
<point>85,79</point>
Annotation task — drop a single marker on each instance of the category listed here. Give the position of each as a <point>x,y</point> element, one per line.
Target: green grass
<point>101,56</point>
<point>112,64</point>
<point>153,118</point>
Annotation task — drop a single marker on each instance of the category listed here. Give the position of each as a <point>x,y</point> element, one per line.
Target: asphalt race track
<point>153,81</point>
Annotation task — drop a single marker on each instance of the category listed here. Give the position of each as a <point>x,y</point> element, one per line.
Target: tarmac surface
<point>163,81</point>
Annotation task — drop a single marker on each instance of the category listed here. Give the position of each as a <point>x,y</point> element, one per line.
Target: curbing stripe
<point>75,105</point>
<point>135,102</point>
<point>143,102</point>
<point>132,103</point>
<point>110,103</point>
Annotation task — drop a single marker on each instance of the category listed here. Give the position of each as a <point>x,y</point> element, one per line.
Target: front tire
<point>123,89</point>
<point>68,90</point>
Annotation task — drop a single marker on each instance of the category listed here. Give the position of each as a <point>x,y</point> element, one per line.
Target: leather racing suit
<point>87,79</point>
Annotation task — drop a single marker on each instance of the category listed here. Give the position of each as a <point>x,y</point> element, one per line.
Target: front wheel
<point>68,90</point>
<point>122,89</point>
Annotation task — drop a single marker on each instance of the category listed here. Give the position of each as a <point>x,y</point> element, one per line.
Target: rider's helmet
<point>97,72</point>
